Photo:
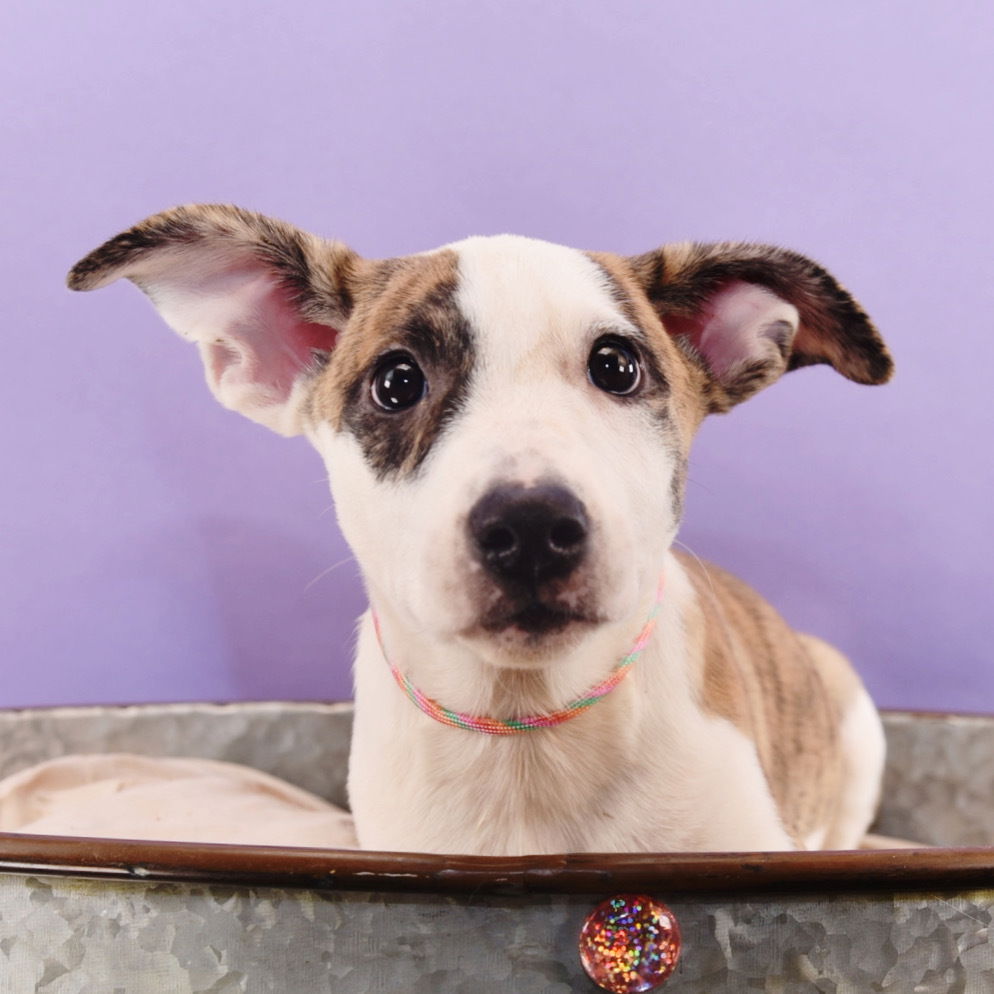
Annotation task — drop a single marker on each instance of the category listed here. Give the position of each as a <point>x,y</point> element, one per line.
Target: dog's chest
<point>506,797</point>
<point>531,794</point>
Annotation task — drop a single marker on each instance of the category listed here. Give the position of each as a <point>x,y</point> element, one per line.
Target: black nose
<point>527,535</point>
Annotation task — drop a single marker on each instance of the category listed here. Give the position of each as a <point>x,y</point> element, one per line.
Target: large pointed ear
<point>262,300</point>
<point>749,313</point>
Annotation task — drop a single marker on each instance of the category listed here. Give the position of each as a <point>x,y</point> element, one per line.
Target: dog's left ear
<point>749,313</point>
<point>262,300</point>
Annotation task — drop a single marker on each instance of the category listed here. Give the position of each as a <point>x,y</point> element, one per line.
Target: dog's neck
<point>454,683</point>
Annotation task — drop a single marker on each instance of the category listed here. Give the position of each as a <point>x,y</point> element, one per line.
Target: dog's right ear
<point>262,300</point>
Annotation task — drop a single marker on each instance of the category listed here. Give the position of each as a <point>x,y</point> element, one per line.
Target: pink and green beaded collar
<point>513,726</point>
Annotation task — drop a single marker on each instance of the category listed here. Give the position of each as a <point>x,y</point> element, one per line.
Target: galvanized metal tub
<point>81,915</point>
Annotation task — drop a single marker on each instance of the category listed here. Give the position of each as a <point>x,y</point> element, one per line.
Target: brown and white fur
<point>732,732</point>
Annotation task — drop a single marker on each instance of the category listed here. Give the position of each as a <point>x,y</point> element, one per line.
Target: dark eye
<point>398,382</point>
<point>614,366</point>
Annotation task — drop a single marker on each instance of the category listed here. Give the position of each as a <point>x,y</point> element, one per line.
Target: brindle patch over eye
<point>438,338</point>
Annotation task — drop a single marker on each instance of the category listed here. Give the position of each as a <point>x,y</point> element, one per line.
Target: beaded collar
<point>514,726</point>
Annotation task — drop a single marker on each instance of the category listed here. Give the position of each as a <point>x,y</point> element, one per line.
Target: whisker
<point>702,486</point>
<point>330,569</point>
<point>700,562</point>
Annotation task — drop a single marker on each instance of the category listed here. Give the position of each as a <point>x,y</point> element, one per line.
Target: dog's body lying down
<point>506,425</point>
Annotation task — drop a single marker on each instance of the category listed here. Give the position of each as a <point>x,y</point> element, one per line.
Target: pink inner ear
<point>255,345</point>
<point>740,324</point>
<point>313,338</point>
<point>261,370</point>
<point>222,293</point>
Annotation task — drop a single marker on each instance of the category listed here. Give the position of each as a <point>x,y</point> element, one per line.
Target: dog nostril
<point>566,534</point>
<point>498,540</point>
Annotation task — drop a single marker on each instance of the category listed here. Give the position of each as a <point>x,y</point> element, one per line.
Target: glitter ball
<point>630,943</point>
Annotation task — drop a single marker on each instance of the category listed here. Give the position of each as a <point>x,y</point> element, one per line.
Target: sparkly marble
<point>629,944</point>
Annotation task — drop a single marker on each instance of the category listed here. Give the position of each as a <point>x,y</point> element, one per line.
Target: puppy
<point>506,425</point>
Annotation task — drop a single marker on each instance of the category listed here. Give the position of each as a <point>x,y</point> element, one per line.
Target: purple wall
<point>156,547</point>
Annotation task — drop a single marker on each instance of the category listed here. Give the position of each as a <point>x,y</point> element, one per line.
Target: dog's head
<point>506,422</point>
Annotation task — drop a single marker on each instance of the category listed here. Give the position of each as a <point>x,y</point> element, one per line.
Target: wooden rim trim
<point>726,873</point>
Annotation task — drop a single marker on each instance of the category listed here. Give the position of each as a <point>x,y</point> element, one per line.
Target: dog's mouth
<point>535,619</point>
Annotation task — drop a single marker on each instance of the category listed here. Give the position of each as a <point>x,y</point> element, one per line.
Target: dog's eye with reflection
<point>614,366</point>
<point>398,382</point>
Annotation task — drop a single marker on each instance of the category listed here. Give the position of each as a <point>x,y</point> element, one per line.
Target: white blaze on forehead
<point>519,293</point>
